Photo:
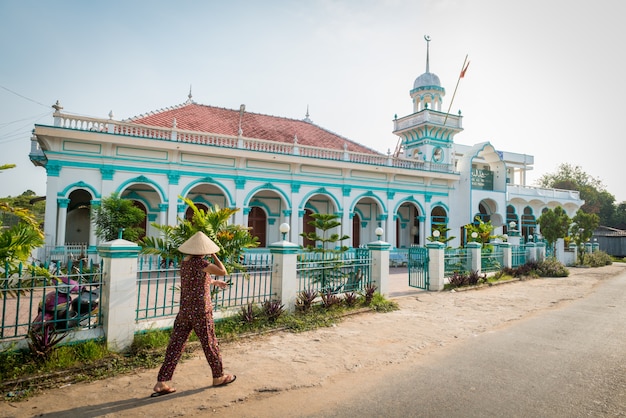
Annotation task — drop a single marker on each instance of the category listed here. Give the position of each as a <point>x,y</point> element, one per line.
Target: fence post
<point>436,265</point>
<point>474,249</point>
<point>540,248</point>
<point>284,276</point>
<point>531,252</point>
<point>507,254</point>
<point>380,265</point>
<point>119,292</point>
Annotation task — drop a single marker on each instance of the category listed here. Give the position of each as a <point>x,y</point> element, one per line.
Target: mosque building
<point>279,170</point>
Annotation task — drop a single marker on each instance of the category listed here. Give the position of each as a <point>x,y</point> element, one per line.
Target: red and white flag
<point>464,69</point>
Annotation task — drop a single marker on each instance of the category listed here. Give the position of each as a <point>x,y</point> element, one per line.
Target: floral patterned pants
<point>202,324</point>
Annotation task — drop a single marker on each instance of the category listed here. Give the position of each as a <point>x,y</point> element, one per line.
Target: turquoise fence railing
<point>491,259</point>
<point>518,255</point>
<point>158,284</point>
<point>63,298</point>
<point>334,272</point>
<point>456,260</point>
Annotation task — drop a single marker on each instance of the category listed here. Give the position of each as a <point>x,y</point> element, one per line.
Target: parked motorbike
<point>69,305</point>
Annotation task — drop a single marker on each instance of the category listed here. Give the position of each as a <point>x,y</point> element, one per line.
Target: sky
<point>546,77</point>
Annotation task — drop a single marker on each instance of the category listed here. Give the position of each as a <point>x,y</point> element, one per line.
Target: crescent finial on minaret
<point>427,38</point>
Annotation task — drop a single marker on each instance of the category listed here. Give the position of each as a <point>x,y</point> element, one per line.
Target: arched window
<point>439,219</point>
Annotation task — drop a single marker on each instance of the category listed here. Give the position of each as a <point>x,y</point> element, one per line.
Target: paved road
<point>565,362</point>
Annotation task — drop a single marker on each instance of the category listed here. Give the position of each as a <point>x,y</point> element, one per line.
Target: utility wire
<point>23,97</point>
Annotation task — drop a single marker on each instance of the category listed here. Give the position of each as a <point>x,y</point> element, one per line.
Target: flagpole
<point>461,74</point>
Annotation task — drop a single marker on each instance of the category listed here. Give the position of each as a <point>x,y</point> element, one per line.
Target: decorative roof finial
<point>57,107</point>
<point>306,117</point>
<point>189,96</point>
<point>427,38</point>
<point>111,114</point>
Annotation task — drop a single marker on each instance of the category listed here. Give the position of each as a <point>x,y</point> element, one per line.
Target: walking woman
<point>196,311</point>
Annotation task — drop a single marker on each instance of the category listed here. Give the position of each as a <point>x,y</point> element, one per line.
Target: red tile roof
<point>195,117</point>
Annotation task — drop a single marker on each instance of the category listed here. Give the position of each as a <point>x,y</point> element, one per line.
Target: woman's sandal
<point>228,379</point>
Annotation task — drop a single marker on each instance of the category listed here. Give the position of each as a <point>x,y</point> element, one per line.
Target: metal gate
<point>418,267</point>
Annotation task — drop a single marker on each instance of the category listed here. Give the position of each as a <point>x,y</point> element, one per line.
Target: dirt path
<point>294,362</point>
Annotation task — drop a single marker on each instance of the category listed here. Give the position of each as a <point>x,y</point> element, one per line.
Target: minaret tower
<point>428,133</point>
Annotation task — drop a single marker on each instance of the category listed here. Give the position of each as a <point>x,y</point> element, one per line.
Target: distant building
<point>611,240</point>
<point>280,170</point>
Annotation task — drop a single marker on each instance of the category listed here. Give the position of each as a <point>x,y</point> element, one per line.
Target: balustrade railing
<point>110,126</point>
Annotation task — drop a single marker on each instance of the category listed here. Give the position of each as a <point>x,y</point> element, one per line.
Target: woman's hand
<point>219,283</point>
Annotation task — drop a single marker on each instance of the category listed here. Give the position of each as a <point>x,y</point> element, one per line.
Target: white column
<point>62,221</point>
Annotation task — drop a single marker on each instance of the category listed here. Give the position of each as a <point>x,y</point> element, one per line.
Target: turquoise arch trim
<point>79,185</point>
<point>383,208</point>
<point>268,212</point>
<point>135,196</point>
<point>143,180</point>
<point>443,205</point>
<point>323,192</point>
<point>266,186</point>
<point>410,200</point>
<point>209,180</point>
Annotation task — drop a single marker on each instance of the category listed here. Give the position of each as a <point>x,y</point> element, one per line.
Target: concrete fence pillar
<point>436,265</point>
<point>284,276</point>
<point>118,297</point>
<point>531,253</point>
<point>540,249</point>
<point>380,265</point>
<point>474,250</point>
<point>507,254</point>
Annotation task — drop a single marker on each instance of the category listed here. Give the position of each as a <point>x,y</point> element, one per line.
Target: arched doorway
<point>356,231</point>
<point>78,222</point>
<point>306,228</point>
<point>257,222</point>
<point>143,224</point>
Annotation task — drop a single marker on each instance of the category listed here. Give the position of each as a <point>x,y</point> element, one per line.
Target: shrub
<point>551,267</point>
<point>248,313</point>
<point>329,299</point>
<point>458,279</point>
<point>273,309</point>
<point>305,300</point>
<point>474,278</point>
<point>350,299</point>
<point>597,259</point>
<point>380,304</point>
<point>369,291</point>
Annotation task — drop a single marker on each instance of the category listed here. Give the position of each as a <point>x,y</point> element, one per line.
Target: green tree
<point>597,199</point>
<point>28,200</point>
<point>328,242</point>
<point>582,227</point>
<point>115,213</point>
<point>215,223</point>
<point>554,224</point>
<point>17,243</point>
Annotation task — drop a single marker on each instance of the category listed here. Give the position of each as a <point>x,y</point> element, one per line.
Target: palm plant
<point>215,223</point>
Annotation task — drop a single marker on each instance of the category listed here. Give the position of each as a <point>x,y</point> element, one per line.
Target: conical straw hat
<point>199,244</point>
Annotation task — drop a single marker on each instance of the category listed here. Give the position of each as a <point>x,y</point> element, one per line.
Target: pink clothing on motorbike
<point>195,313</point>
